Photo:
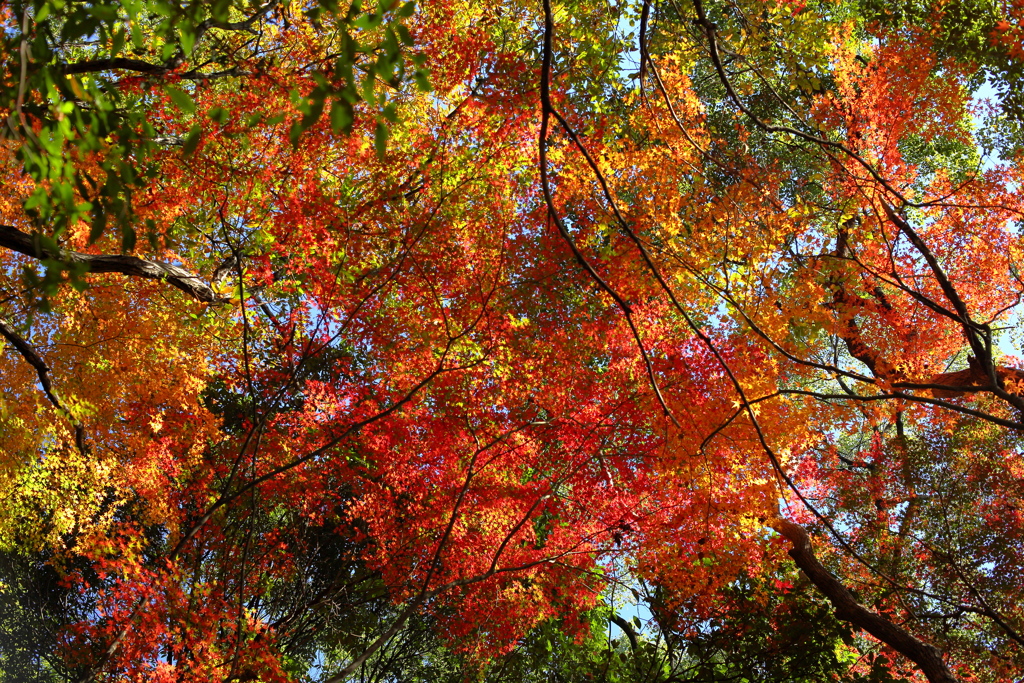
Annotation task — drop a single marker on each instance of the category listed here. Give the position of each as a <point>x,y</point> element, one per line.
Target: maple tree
<point>388,342</point>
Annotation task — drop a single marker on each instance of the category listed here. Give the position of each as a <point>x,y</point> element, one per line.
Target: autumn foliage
<point>336,331</point>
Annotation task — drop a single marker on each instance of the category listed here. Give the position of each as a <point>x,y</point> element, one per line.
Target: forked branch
<point>982,373</point>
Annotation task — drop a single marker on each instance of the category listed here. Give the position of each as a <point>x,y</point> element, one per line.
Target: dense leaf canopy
<point>511,340</point>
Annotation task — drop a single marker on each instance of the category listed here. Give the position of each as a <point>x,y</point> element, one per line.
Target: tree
<point>445,318</point>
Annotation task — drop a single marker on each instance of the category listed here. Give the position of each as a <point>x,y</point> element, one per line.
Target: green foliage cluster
<point>63,85</point>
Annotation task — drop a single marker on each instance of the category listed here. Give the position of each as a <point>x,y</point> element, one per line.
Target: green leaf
<point>47,244</point>
<point>380,140</point>
<point>219,115</point>
<point>341,116</point>
<point>314,109</point>
<point>188,37</point>
<point>37,198</point>
<point>295,132</point>
<point>404,34</point>
<point>99,223</point>
<point>422,80</point>
<point>367,22</point>
<point>221,10</point>
<point>137,40</point>
<point>192,140</point>
<point>128,238</point>
<point>118,41</point>
<point>182,100</point>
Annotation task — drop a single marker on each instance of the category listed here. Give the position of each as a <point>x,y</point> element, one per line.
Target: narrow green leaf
<point>422,80</point>
<point>314,109</point>
<point>295,132</point>
<point>182,100</point>
<point>341,116</point>
<point>192,140</point>
<point>188,37</point>
<point>118,41</point>
<point>128,238</point>
<point>380,140</point>
<point>99,223</point>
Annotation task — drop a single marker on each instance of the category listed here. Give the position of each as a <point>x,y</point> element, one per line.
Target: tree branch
<point>43,372</point>
<point>927,657</point>
<point>627,628</point>
<point>115,63</point>
<point>193,285</point>
<point>547,110</point>
<point>159,69</point>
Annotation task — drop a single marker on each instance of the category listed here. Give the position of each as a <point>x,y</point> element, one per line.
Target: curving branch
<point>927,657</point>
<point>627,628</point>
<point>88,66</point>
<point>974,378</point>
<point>43,372</point>
<point>193,285</point>
<point>710,30</point>
<point>933,263</point>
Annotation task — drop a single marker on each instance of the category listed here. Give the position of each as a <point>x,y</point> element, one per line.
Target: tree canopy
<point>512,341</point>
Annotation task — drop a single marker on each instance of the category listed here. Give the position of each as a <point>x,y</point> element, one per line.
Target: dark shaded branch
<point>846,306</point>
<point>974,378</point>
<point>982,374</point>
<point>947,287</point>
<point>43,372</point>
<point>193,285</point>
<point>161,68</point>
<point>645,15</point>
<point>985,609</point>
<point>244,25</point>
<point>627,628</point>
<point>87,66</point>
<point>927,657</point>
<point>424,597</point>
<point>899,395</point>
<point>944,385</point>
